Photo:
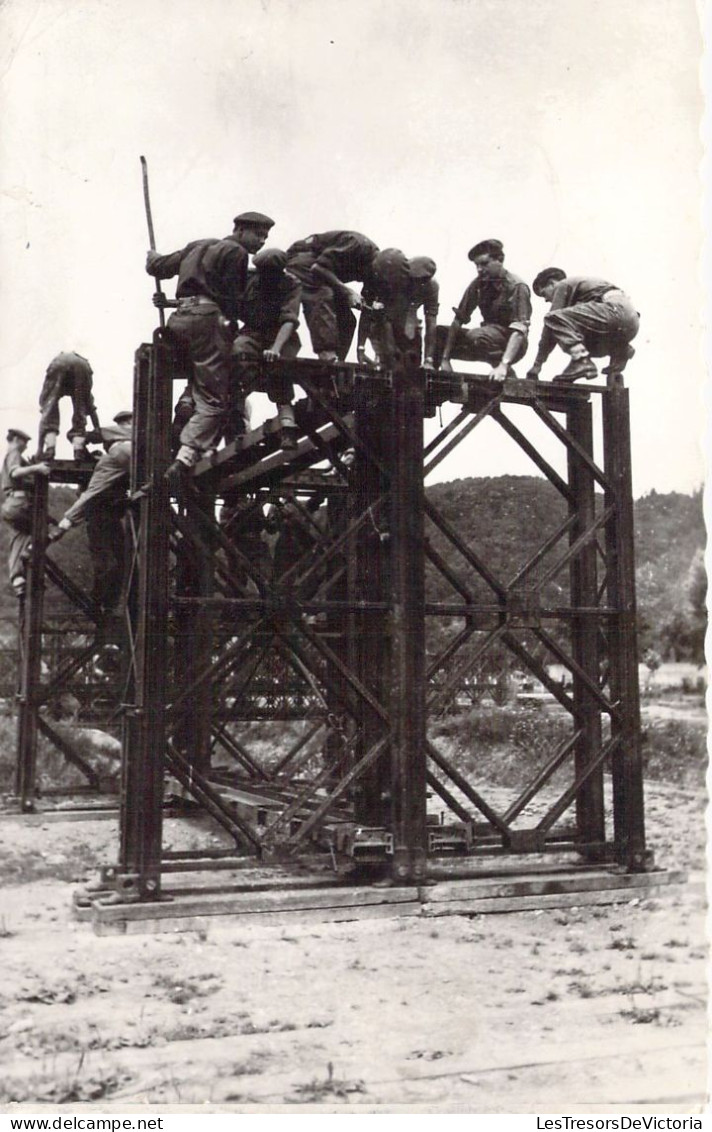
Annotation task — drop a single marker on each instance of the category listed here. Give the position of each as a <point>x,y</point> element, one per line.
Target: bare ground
<point>586,1008</point>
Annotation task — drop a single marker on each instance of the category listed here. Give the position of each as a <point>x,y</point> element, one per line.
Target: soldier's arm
<point>463,314</point>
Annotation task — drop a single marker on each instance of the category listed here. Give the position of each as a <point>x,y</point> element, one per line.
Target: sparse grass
<point>318,1090</point>
<point>182,989</point>
<point>61,991</point>
<point>72,1089</point>
<point>583,990</point>
<point>652,986</point>
<point>647,1015</point>
<point>623,943</point>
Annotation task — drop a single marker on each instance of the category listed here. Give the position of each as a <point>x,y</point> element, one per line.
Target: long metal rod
<point>151,234</point>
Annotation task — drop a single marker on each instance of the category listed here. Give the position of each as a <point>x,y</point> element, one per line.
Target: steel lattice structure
<point>377,615</point>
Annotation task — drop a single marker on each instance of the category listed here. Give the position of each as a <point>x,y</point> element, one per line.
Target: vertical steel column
<point>372,793</point>
<point>138,876</point>
<point>627,763</point>
<point>193,644</point>
<point>30,640</point>
<point>408,752</point>
<point>590,805</point>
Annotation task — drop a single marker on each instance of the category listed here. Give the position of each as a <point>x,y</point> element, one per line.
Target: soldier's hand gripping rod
<point>151,236</point>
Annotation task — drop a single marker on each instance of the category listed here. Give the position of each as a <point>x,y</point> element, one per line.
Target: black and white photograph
<point>353,591</point>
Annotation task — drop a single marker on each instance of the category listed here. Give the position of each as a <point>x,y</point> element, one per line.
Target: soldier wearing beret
<point>324,264</point>
<point>269,312</point>
<point>588,318</point>
<point>212,275</point>
<point>103,506</point>
<point>505,305</point>
<point>396,291</point>
<point>68,375</point>
<point>16,483</point>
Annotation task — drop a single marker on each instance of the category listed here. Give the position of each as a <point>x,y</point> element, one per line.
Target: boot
<point>617,362</point>
<point>578,367</point>
<point>79,447</point>
<point>176,475</point>
<point>288,427</point>
<point>48,447</point>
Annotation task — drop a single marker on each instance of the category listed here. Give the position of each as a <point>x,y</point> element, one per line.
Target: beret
<point>486,247</point>
<point>255,219</point>
<point>546,276</point>
<point>422,267</point>
<point>271,259</point>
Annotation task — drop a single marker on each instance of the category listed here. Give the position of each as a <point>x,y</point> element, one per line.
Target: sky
<point>570,131</point>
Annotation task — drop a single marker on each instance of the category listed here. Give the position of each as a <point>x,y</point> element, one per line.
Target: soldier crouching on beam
<point>505,305</point>
<point>398,287</point>
<point>17,475</point>
<point>269,312</point>
<point>212,275</point>
<point>588,318</point>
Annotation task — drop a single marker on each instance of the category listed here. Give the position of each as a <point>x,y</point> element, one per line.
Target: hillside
<point>505,519</point>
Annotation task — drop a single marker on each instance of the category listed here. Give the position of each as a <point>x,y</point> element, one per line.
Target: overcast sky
<point>571,131</point>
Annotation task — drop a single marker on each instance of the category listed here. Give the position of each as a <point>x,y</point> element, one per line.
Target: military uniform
<point>348,256</point>
<point>16,512</point>
<point>271,299</point>
<point>505,304</point>
<point>211,279</point>
<point>68,375</point>
<point>402,287</point>
<point>592,314</point>
<point>103,506</point>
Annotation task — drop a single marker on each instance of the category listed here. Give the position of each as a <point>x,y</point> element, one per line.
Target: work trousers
<point>247,353</point>
<point>78,386</point>
<point>327,314</point>
<point>205,334</point>
<point>604,327</point>
<point>17,513</point>
<point>106,536</point>
<point>482,344</point>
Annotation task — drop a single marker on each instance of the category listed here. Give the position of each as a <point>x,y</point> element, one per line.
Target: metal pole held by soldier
<point>151,235</point>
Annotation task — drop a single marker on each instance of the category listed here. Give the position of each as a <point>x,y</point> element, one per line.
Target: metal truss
<point>364,627</point>
<point>66,661</point>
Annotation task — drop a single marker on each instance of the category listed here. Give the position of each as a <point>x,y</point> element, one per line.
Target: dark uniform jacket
<point>269,300</point>
<point>502,298</point>
<point>216,269</point>
<point>348,255</point>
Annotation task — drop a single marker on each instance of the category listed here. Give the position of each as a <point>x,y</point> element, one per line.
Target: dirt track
<point>592,1007</point>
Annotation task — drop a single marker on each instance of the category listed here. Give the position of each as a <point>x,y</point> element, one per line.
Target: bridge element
<point>360,633</point>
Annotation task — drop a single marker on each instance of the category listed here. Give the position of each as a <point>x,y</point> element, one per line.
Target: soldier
<point>68,375</point>
<point>399,287</point>
<point>588,318</point>
<point>269,311</point>
<point>324,264</point>
<point>17,475</point>
<point>212,275</point>
<point>505,304</point>
<point>103,505</point>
